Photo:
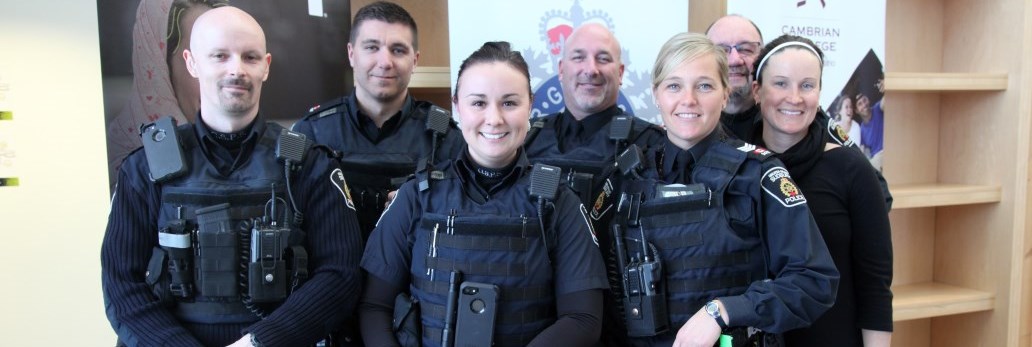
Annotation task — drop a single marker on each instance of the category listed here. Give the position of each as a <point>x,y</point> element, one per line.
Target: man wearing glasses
<point>742,41</point>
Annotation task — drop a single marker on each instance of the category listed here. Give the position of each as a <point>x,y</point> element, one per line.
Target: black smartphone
<point>477,308</point>
<point>161,144</point>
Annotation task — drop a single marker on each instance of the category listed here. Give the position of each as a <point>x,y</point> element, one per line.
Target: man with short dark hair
<point>383,133</point>
<point>207,243</point>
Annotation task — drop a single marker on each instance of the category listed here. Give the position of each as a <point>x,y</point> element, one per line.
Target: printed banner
<point>852,36</point>
<point>145,77</point>
<point>538,29</point>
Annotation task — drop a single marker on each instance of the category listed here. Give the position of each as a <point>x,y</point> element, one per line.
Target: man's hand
<point>700,331</point>
<point>390,197</point>
<point>244,341</point>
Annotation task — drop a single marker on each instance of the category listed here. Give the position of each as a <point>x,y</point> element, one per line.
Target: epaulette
<point>337,105</point>
<point>751,150</point>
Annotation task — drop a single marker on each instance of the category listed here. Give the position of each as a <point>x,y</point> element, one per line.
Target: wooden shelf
<point>431,77</point>
<point>933,82</point>
<point>930,195</point>
<point>926,300</point>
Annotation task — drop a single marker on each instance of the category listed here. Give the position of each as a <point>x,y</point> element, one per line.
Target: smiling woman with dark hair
<point>476,217</point>
<point>844,197</point>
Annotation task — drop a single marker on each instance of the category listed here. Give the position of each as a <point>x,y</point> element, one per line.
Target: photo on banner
<point>539,28</point>
<point>144,74</point>
<point>852,36</point>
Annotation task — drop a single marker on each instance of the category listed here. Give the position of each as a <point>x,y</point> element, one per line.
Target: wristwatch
<point>713,310</point>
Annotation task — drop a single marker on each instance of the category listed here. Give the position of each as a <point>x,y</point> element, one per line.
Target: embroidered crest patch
<point>337,178</point>
<point>778,184</point>
<point>839,135</point>
<point>591,230</point>
<point>601,207</point>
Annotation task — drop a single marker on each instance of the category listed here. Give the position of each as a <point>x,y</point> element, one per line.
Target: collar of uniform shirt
<point>224,159</point>
<point>573,132</point>
<point>368,127</point>
<point>465,171</point>
<point>670,152</point>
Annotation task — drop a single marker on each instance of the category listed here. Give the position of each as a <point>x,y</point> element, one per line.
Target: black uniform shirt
<point>678,163</point>
<point>368,126</point>
<point>574,133</point>
<point>214,145</point>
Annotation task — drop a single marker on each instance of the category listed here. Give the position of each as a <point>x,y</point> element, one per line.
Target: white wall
<point>52,225</point>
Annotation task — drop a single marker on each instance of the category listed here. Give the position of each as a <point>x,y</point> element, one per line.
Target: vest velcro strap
<point>486,243</point>
<point>671,219</point>
<point>476,268</point>
<point>509,293</point>
<point>685,308</point>
<point>534,314</point>
<point>707,261</point>
<point>682,240</point>
<point>698,285</point>
<point>485,229</point>
<point>719,163</point>
<point>255,198</point>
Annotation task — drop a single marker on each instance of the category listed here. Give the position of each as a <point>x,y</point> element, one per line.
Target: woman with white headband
<point>842,190</point>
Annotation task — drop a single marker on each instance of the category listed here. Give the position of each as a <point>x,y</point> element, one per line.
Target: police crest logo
<point>591,230</point>
<point>599,208</point>
<point>839,135</point>
<point>779,185</point>
<point>337,178</point>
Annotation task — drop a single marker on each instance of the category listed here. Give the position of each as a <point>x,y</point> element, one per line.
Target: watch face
<point>712,309</point>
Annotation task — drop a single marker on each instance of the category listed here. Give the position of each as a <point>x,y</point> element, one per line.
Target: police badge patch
<point>337,178</point>
<point>600,207</point>
<point>839,135</point>
<point>780,186</point>
<point>591,230</point>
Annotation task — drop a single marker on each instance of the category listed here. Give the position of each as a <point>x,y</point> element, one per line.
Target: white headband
<point>782,46</point>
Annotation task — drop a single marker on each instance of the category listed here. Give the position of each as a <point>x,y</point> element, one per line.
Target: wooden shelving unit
<point>431,77</point>
<point>931,195</point>
<point>940,81</point>
<point>926,300</point>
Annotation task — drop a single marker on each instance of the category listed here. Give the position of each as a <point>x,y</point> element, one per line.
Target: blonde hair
<point>686,47</point>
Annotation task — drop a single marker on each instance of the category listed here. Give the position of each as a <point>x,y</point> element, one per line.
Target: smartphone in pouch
<point>161,144</point>
<point>477,308</point>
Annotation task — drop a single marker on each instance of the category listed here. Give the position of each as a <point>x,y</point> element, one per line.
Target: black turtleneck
<point>224,149</point>
<point>481,182</point>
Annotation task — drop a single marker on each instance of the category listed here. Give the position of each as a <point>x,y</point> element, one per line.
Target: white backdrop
<point>537,28</point>
<point>844,30</point>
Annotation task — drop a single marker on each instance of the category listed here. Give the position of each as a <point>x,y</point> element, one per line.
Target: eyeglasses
<point>743,48</point>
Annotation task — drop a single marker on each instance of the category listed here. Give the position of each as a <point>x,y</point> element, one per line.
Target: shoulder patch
<point>337,178</point>
<point>602,203</point>
<point>755,151</point>
<point>839,135</point>
<point>778,184</point>
<point>591,229</point>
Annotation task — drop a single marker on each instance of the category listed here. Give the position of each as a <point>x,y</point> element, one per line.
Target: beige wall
<point>52,225</point>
